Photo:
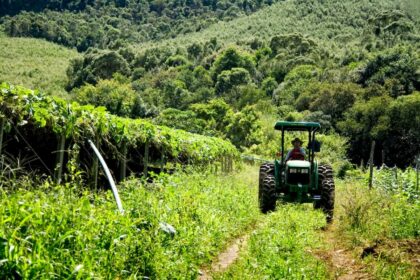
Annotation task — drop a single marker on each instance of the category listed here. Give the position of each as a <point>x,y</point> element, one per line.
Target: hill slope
<point>34,63</point>
<point>325,21</point>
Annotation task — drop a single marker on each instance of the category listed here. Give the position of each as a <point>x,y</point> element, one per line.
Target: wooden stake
<point>383,157</point>
<point>2,124</point>
<point>372,151</point>
<point>123,162</point>
<point>223,168</point>
<point>146,158</point>
<point>60,157</point>
<point>417,171</point>
<point>162,159</point>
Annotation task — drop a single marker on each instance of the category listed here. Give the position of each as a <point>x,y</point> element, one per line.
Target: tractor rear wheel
<point>327,189</point>
<point>267,188</point>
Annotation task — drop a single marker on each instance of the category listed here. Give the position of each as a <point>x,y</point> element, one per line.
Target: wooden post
<point>2,124</point>
<point>417,171</point>
<point>383,157</point>
<point>362,165</point>
<point>227,164</point>
<point>123,162</point>
<point>224,164</point>
<point>146,158</point>
<point>396,173</point>
<point>372,152</point>
<point>162,159</point>
<point>60,157</point>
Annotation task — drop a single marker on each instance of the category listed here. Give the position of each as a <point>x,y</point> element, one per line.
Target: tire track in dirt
<point>226,258</point>
<point>341,263</point>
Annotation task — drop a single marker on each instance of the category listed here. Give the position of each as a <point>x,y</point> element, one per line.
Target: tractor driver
<point>297,153</point>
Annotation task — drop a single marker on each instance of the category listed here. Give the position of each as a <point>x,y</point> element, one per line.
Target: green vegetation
<point>279,249</point>
<point>99,23</point>
<point>170,227</point>
<point>43,120</point>
<point>307,58</point>
<point>381,224</point>
<point>306,75</point>
<point>35,63</point>
<point>327,21</point>
<point>389,210</point>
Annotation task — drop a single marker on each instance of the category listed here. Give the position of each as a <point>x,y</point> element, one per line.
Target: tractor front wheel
<point>327,189</point>
<point>267,188</point>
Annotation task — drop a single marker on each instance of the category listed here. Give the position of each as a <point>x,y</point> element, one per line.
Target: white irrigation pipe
<point>108,174</point>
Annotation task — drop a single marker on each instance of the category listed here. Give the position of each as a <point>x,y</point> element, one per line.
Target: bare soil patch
<point>226,258</point>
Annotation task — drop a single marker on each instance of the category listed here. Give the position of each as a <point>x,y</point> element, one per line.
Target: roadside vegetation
<point>382,225</point>
<point>170,227</point>
<point>281,247</point>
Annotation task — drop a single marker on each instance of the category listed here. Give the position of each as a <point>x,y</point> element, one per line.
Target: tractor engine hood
<point>298,164</point>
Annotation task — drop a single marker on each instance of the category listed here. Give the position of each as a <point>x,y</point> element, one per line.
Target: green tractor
<point>300,181</point>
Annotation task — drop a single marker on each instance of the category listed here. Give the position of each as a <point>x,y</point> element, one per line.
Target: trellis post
<point>146,158</point>
<point>2,125</point>
<point>123,162</point>
<point>162,159</point>
<point>417,171</point>
<point>383,157</point>
<point>60,157</point>
<point>372,152</point>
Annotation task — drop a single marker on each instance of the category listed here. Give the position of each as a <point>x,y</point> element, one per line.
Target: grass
<point>170,227</point>
<point>180,222</point>
<point>34,63</point>
<point>385,220</point>
<point>280,249</point>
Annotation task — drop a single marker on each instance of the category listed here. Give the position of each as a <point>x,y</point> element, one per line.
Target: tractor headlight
<point>305,171</point>
<point>292,170</point>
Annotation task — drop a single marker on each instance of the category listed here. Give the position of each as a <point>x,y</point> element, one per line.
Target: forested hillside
<point>298,60</point>
<point>99,23</point>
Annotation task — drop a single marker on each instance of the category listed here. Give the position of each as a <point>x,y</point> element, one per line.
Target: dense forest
<point>358,76</point>
<point>108,24</point>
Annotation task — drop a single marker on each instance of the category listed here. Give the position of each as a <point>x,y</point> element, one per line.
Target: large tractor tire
<point>327,190</point>
<point>267,188</point>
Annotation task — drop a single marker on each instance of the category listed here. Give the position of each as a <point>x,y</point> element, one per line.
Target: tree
<point>233,58</point>
<point>186,120</point>
<point>334,99</point>
<point>396,69</point>
<point>94,66</point>
<point>244,128</point>
<point>403,139</point>
<point>228,79</point>
<point>118,97</point>
<point>297,43</point>
<point>268,85</point>
<point>217,114</point>
<point>295,82</point>
<point>364,122</point>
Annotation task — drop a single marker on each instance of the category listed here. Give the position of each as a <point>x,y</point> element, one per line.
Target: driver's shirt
<point>289,153</point>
